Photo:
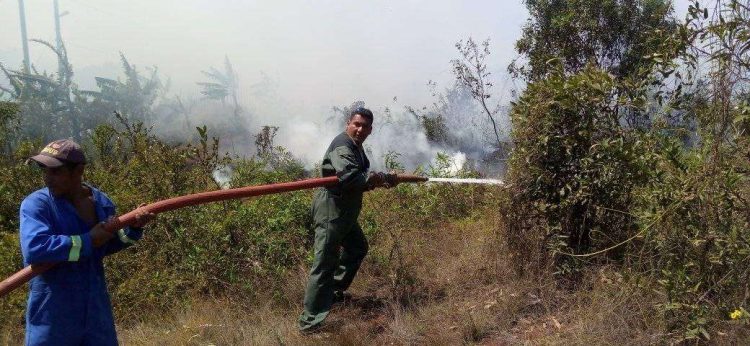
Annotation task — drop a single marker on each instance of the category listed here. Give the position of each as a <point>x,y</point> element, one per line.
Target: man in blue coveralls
<point>64,222</point>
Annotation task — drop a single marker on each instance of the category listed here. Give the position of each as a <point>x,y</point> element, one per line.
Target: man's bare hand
<point>375,180</point>
<point>142,216</point>
<point>391,179</point>
<point>99,236</point>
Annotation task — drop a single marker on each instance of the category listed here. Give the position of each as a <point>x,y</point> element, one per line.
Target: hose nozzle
<point>410,178</point>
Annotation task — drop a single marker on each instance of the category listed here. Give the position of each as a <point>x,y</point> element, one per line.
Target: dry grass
<point>449,286</point>
<point>12,337</point>
<point>211,322</point>
<point>611,311</point>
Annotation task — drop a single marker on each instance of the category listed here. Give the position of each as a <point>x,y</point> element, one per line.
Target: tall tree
<point>614,35</point>
<point>24,39</point>
<point>222,85</point>
<point>134,96</point>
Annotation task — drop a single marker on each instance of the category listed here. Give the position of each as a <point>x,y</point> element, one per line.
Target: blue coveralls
<point>69,304</point>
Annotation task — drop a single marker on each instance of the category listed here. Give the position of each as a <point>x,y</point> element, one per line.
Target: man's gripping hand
<point>99,235</point>
<point>142,217</point>
<point>391,179</point>
<point>380,179</point>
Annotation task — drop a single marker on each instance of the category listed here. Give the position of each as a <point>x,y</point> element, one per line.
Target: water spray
<point>466,181</point>
<point>26,274</point>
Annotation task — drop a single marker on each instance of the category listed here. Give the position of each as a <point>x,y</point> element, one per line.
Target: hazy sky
<point>317,54</point>
<point>321,53</point>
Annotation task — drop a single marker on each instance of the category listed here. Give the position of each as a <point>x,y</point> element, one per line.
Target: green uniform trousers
<point>340,247</point>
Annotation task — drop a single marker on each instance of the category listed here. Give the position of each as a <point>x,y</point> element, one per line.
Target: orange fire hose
<point>25,274</point>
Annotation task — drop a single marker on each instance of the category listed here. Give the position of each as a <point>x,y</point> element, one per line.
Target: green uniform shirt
<point>348,161</point>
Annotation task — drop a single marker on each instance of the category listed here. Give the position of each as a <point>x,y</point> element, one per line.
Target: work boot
<point>318,328</point>
<point>341,297</point>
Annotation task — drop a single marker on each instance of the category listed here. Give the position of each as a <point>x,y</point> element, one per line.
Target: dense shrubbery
<point>242,248</point>
<point>647,171</point>
<point>693,217</point>
<point>574,167</point>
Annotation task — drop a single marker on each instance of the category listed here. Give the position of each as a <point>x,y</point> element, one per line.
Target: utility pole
<point>24,39</point>
<point>62,72</point>
<point>58,36</point>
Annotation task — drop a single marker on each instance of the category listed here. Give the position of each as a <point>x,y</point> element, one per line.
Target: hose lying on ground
<point>25,274</point>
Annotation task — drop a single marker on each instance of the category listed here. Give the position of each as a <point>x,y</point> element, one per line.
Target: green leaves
<point>570,156</point>
<point>613,34</point>
<point>222,85</point>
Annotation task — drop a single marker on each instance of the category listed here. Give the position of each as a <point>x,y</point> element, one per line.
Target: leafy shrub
<point>572,170</point>
<point>693,216</point>
<point>241,248</point>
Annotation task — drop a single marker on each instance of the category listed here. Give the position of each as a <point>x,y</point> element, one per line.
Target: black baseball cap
<point>60,152</point>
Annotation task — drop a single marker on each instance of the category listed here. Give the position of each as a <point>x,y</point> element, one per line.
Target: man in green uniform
<point>340,245</point>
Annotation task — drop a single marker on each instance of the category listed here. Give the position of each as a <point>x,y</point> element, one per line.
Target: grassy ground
<point>446,286</point>
<point>432,292</point>
<point>449,285</point>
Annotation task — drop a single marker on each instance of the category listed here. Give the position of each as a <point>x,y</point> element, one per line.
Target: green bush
<point>586,189</point>
<point>240,248</point>
<point>572,170</point>
<point>693,215</point>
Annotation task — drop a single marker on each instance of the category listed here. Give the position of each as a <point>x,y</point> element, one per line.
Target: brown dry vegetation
<point>445,284</point>
<point>459,291</point>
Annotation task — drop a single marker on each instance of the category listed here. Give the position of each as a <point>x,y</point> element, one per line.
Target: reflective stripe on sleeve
<point>75,249</point>
<point>124,237</point>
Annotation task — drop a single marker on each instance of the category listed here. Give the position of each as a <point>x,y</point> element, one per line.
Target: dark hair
<point>363,112</point>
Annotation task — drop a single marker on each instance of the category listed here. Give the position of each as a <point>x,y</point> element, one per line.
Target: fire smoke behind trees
<point>295,61</point>
<point>306,133</point>
<point>319,55</point>
<point>322,53</point>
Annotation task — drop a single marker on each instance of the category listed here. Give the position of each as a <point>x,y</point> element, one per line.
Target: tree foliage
<point>471,72</point>
<point>667,201</point>
<point>134,96</point>
<point>452,109</point>
<point>52,106</point>
<point>614,35</point>
<point>45,99</point>
<point>8,125</point>
<point>222,85</point>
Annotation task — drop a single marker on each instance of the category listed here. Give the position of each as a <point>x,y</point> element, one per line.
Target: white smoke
<point>306,132</point>
<point>458,160</point>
